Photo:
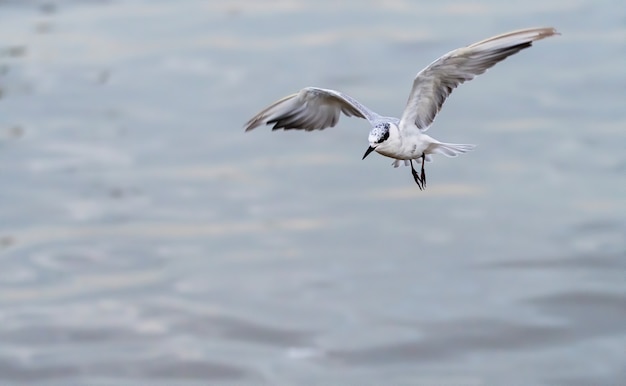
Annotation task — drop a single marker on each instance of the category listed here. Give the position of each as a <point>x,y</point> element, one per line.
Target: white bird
<point>402,139</point>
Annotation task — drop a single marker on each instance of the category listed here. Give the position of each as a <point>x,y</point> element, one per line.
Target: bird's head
<point>378,135</point>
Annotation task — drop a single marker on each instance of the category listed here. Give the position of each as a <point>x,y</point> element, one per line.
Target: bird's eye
<point>383,137</point>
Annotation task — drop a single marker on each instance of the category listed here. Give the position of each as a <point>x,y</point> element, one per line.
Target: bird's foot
<point>419,180</point>
<point>423,172</point>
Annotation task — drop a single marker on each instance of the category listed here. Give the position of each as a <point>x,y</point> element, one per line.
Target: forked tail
<point>450,149</point>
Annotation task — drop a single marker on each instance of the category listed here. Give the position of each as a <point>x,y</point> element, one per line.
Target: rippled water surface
<point>145,239</point>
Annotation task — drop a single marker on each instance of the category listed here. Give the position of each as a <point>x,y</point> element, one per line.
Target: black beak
<point>367,152</point>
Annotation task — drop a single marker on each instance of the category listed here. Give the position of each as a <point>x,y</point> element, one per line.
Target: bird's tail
<point>447,149</point>
<point>450,149</point>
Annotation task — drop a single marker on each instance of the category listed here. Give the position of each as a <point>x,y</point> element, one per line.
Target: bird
<point>403,139</point>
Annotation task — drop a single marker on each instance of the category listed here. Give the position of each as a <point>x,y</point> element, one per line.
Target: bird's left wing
<point>434,83</point>
<point>310,109</point>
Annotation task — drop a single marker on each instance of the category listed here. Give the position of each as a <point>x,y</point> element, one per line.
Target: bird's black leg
<point>423,172</point>
<point>416,176</point>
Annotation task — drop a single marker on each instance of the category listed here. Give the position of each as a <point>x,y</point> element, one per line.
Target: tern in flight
<point>405,139</point>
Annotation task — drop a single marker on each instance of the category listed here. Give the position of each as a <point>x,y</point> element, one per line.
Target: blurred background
<point>146,240</point>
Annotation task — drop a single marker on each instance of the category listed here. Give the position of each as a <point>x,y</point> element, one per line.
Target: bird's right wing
<point>310,109</point>
<point>434,83</point>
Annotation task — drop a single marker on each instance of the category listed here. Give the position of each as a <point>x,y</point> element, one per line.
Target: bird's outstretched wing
<point>434,83</point>
<point>310,109</point>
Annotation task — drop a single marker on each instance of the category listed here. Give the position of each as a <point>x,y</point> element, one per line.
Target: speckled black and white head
<point>378,135</point>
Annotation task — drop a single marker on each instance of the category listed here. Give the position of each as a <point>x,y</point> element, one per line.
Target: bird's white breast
<point>403,147</point>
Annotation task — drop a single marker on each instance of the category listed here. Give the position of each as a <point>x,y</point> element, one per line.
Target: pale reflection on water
<point>144,239</point>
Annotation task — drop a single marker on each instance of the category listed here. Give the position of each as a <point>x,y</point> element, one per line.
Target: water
<point>145,239</point>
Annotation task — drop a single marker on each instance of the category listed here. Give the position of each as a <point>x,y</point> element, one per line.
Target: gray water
<point>146,240</point>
